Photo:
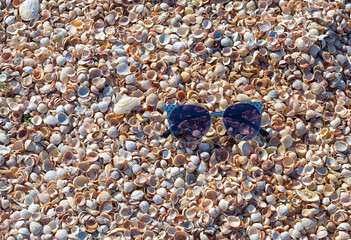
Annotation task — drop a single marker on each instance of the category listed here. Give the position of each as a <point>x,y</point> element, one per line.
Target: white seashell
<point>29,9</point>
<point>4,139</point>
<point>340,146</point>
<point>137,195</point>
<point>83,91</point>
<point>55,139</point>
<point>308,223</point>
<point>36,120</point>
<point>126,105</point>
<point>144,206</point>
<point>61,234</point>
<point>50,120</point>
<point>35,228</point>
<point>103,106</point>
<point>286,141</point>
<point>14,106</point>
<point>62,118</point>
<point>182,31</point>
<point>42,108</point>
<point>112,132</point>
<point>3,77</point>
<point>130,146</point>
<point>94,73</point>
<point>123,69</point>
<point>300,44</point>
<point>300,129</point>
<point>164,39</point>
<point>307,195</point>
<point>4,150</point>
<point>61,60</point>
<point>282,211</point>
<point>179,47</point>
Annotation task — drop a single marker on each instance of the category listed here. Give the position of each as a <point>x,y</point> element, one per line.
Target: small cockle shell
<point>234,221</point>
<point>80,181</point>
<point>123,69</point>
<point>341,146</point>
<point>126,105</point>
<point>180,235</point>
<point>282,211</point>
<point>164,39</point>
<point>50,120</point>
<point>29,9</point>
<point>179,47</point>
<point>307,195</point>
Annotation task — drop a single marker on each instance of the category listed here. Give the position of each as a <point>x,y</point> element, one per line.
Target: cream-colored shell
<point>126,105</point>
<point>29,9</point>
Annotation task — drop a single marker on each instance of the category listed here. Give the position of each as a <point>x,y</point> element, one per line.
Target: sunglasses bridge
<point>216,114</point>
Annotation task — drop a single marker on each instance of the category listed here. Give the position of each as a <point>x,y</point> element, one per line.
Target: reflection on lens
<point>242,121</point>
<point>189,122</point>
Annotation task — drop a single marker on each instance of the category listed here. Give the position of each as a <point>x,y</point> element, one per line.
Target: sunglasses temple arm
<point>263,132</point>
<point>166,133</point>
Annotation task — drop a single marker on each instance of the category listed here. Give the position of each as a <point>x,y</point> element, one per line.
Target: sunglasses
<point>190,123</point>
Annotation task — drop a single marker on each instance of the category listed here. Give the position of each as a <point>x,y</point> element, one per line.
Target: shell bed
<point>85,88</point>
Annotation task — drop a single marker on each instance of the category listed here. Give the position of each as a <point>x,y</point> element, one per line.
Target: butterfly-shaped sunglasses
<point>190,123</point>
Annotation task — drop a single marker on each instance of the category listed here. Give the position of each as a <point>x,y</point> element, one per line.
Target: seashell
<point>80,181</point>
<point>106,207</point>
<point>282,211</point>
<point>126,212</point>
<point>91,224</point>
<point>11,30</point>
<point>179,160</point>
<point>200,48</point>
<point>78,24</point>
<point>94,73</point>
<point>164,39</point>
<point>14,106</point>
<point>286,141</point>
<point>328,190</point>
<point>183,31</point>
<point>62,118</point>
<point>308,223</point>
<point>179,47</point>
<point>151,75</point>
<point>126,105</point>
<point>123,69</point>
<point>4,111</point>
<point>341,146</point>
<point>264,26</point>
<point>140,180</point>
<point>244,148</point>
<point>199,33</point>
<point>234,221</point>
<point>307,195</point>
<point>50,120</point>
<point>288,162</point>
<point>207,204</point>
<point>29,9</point>
<point>83,91</point>
<point>180,235</point>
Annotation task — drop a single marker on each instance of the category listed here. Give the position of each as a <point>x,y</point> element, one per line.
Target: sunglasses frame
<point>169,109</point>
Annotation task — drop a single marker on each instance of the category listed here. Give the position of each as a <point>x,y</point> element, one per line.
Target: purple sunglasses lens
<point>189,122</point>
<point>243,121</point>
